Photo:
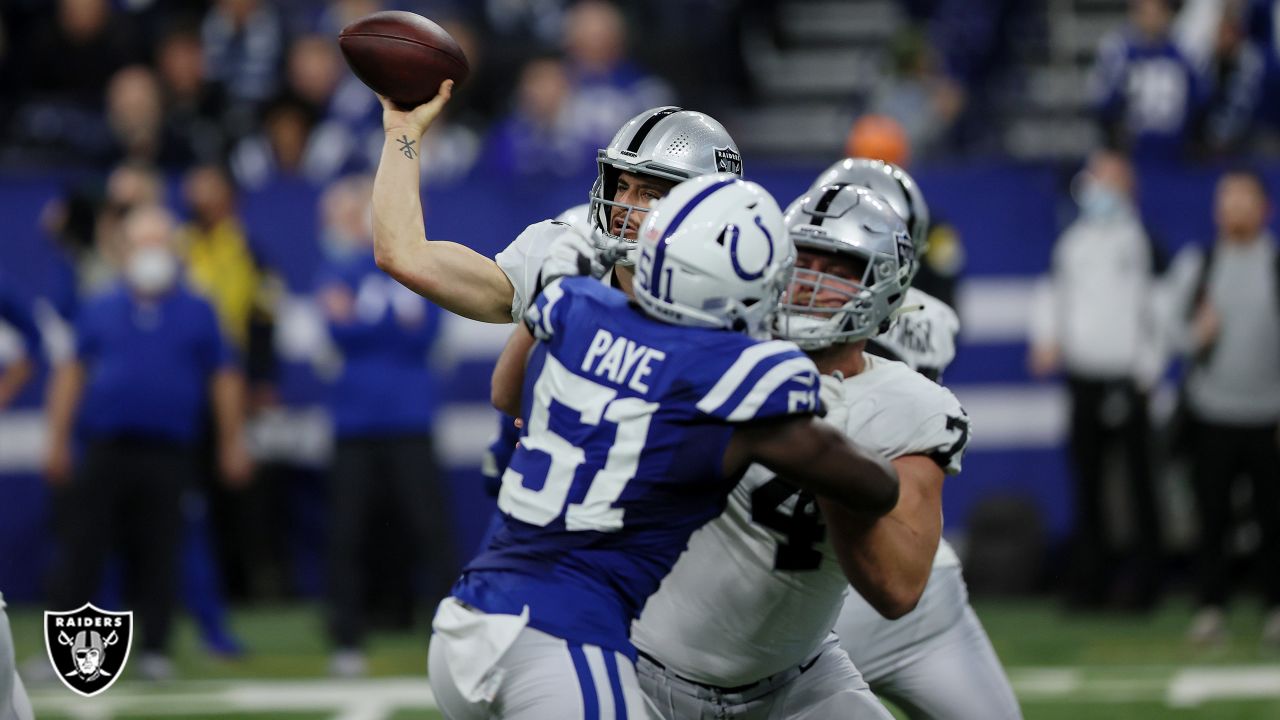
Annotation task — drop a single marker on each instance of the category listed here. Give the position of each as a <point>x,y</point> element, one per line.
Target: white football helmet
<point>714,253</point>
<point>665,142</point>
<point>822,308</point>
<point>896,186</point>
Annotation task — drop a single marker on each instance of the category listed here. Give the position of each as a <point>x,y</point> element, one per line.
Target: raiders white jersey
<point>924,339</point>
<point>759,587</point>
<point>522,259</point>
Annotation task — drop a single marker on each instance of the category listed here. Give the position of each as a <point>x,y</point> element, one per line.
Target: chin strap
<point>903,310</point>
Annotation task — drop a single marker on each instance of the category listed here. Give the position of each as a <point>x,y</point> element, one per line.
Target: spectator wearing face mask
<point>149,357</point>
<point>1095,320</point>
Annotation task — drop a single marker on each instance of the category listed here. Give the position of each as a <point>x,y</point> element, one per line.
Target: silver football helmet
<point>665,142</point>
<point>896,186</point>
<point>857,229</point>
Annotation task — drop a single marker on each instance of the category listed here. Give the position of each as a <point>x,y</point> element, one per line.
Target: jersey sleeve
<point>522,260</point>
<point>905,414</point>
<point>579,218</point>
<point>765,380</point>
<point>943,436</point>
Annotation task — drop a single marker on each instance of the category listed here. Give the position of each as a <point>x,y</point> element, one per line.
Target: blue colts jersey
<point>627,421</point>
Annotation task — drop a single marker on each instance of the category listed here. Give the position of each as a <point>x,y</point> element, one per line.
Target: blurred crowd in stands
<point>260,84</point>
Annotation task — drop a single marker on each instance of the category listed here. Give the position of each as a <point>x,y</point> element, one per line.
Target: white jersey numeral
<point>593,403</point>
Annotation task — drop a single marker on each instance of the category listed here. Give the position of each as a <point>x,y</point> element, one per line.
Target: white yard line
<point>377,699</point>
<point>349,699</point>
<point>1195,686</point>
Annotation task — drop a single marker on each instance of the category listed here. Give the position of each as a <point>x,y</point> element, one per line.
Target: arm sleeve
<point>765,380</point>
<point>944,437</point>
<point>522,260</point>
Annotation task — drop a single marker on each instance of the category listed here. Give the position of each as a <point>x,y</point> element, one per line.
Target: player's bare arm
<point>508,373</point>
<point>888,559</point>
<point>816,457</point>
<point>449,274</point>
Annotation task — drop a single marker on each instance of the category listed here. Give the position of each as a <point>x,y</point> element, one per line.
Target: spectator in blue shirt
<point>1146,90</point>
<point>609,87</point>
<point>540,136</point>
<point>149,357</point>
<point>383,405</point>
<point>244,46</point>
<point>16,311</point>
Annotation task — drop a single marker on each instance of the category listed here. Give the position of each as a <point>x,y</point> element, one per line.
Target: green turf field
<point>1062,667</point>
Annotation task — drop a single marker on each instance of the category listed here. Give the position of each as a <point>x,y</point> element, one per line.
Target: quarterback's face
<point>640,191</point>
<point>843,277</point>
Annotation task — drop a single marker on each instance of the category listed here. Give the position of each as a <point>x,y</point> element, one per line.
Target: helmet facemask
<point>822,308</point>
<point>666,143</point>
<point>615,248</point>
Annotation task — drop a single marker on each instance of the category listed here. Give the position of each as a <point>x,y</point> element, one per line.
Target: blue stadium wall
<point>1007,216</point>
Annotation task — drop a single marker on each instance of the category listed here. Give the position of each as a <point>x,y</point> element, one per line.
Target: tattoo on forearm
<point>406,147</point>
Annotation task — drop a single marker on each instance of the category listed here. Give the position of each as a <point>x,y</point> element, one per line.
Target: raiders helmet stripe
<point>910,218</point>
<point>648,126</point>
<point>825,202</point>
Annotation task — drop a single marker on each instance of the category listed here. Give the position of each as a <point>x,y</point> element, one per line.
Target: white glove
<point>831,390</point>
<point>570,254</point>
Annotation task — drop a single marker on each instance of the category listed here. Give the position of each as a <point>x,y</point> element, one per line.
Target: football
<point>402,55</point>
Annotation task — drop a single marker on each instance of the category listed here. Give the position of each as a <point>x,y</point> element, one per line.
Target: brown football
<point>402,55</point>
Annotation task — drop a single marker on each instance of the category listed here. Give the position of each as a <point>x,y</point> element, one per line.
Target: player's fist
<point>570,254</point>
